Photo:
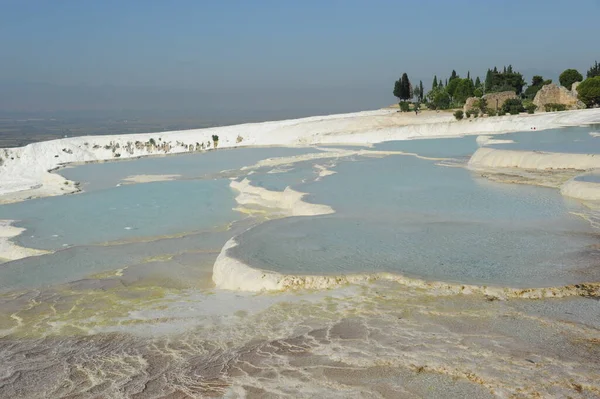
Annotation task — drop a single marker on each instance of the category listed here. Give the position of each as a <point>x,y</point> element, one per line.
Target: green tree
<point>417,92</point>
<point>503,81</point>
<point>477,82</point>
<point>489,81</point>
<point>439,98</point>
<point>464,89</point>
<point>453,76</point>
<point>568,77</point>
<point>537,80</point>
<point>513,106</point>
<point>589,91</point>
<point>594,71</point>
<point>405,88</point>
<point>536,84</point>
<point>452,84</point>
<point>421,91</point>
<point>481,104</point>
<point>435,83</point>
<point>397,89</point>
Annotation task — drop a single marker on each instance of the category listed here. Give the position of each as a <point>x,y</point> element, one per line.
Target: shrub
<point>589,91</point>
<point>468,114</point>
<point>404,106</point>
<point>531,108</point>
<point>458,115</point>
<point>513,106</point>
<point>552,107</point>
<point>501,112</point>
<point>475,113</point>
<point>491,111</point>
<point>481,104</point>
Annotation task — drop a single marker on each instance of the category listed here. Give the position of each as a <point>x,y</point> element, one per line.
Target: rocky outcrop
<point>470,103</point>
<point>574,88</point>
<point>553,94</point>
<point>494,100</point>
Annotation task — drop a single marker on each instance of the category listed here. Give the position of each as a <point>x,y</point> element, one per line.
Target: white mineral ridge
<point>488,140</point>
<point>582,190</point>
<point>231,274</point>
<point>24,171</point>
<point>490,158</point>
<point>283,203</point>
<point>10,250</point>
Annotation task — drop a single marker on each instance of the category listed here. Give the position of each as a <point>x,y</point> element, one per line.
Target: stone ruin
<point>554,94</point>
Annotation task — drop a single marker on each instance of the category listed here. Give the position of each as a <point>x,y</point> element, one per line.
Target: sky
<point>273,51</point>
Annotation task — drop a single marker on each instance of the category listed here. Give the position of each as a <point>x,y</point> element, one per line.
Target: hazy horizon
<point>269,59</point>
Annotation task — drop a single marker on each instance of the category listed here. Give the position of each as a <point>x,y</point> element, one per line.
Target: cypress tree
<point>477,82</point>
<point>489,80</point>
<point>468,74</point>
<point>397,89</point>
<point>594,70</point>
<point>452,76</point>
<point>405,87</point>
<point>435,83</point>
<point>420,90</point>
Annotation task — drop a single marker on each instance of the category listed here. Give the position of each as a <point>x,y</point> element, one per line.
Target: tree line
<point>454,91</point>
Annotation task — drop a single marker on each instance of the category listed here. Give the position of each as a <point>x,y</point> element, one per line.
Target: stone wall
<point>496,100</point>
<point>553,94</point>
<point>491,98</point>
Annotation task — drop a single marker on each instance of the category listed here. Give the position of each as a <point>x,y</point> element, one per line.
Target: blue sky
<point>308,45</point>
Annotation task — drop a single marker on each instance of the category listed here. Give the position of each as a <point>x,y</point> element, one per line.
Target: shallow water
<point>122,213</point>
<point>436,148</point>
<point>105,212</point>
<point>277,179</point>
<point>568,140</point>
<point>431,222</point>
<point>592,178</point>
<point>96,176</point>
